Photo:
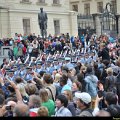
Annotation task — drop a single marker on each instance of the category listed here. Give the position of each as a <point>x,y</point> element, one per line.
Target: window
<point>26,26</point>
<point>57,27</point>
<point>41,1</point>
<point>56,2</point>
<point>87,9</point>
<point>25,1</point>
<point>75,8</point>
<point>100,7</point>
<point>114,6</point>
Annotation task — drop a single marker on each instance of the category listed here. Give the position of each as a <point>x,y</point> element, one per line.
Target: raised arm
<point>18,94</point>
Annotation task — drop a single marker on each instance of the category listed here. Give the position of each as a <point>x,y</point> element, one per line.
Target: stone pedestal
<point>4,50</point>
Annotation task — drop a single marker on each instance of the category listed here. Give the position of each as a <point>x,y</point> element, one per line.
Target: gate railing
<point>81,16</point>
<point>109,20</point>
<point>85,24</point>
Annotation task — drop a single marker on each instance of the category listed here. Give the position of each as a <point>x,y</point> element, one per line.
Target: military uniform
<point>10,75</point>
<point>28,77</point>
<point>38,68</point>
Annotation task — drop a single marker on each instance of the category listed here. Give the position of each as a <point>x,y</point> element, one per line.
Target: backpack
<point>118,83</point>
<point>51,93</point>
<point>118,78</point>
<point>86,113</point>
<point>111,84</point>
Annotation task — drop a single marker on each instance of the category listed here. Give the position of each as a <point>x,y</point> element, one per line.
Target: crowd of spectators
<point>61,76</point>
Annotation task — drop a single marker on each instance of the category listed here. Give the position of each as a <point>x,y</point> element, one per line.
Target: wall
<point>17,25</point>
<point>17,11</point>
<point>93,5</point>
<point>4,25</point>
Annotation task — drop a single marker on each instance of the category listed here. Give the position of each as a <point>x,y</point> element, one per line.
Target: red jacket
<point>24,50</point>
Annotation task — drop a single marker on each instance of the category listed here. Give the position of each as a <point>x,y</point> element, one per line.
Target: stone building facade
<point>92,6</point>
<point>95,8</point>
<point>21,16</point>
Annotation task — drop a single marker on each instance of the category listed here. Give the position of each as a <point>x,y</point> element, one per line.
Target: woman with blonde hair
<point>43,112</point>
<point>57,77</point>
<point>57,84</point>
<point>45,101</point>
<point>110,83</point>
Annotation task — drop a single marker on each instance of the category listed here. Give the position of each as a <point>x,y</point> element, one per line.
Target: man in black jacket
<point>104,52</point>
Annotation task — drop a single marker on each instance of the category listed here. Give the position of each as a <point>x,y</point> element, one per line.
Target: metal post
<point>117,25</point>
<point>101,27</point>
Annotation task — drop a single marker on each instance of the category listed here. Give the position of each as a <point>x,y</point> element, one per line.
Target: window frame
<point>114,6</point>
<point>25,2</point>
<point>56,1</point>
<point>42,1</point>
<point>100,7</point>
<point>73,6</point>
<point>87,8</point>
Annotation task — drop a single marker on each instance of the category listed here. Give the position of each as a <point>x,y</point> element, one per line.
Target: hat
<point>33,58</point>
<point>73,62</point>
<point>68,55</point>
<point>61,58</point>
<point>28,67</point>
<point>7,69</point>
<point>67,58</point>
<point>85,97</point>
<point>32,64</point>
<point>15,66</point>
<point>55,60</point>
<point>10,71</point>
<point>49,61</point>
<point>39,63</point>
<point>22,65</point>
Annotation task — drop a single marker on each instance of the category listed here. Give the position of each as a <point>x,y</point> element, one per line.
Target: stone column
<point>73,23</point>
<point>118,24</point>
<point>97,23</point>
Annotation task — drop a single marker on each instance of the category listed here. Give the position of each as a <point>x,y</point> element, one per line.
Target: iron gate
<point>85,24</point>
<point>109,21</point>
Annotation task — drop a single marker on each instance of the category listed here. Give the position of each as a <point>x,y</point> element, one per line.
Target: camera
<point>8,107</point>
<point>100,93</point>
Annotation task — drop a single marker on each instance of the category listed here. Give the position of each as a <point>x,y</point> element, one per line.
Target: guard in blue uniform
<point>29,74</point>
<point>49,67</point>
<point>56,65</point>
<point>10,75</point>
<point>33,65</point>
<point>16,73</point>
<point>68,63</point>
<point>22,71</point>
<point>38,67</point>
